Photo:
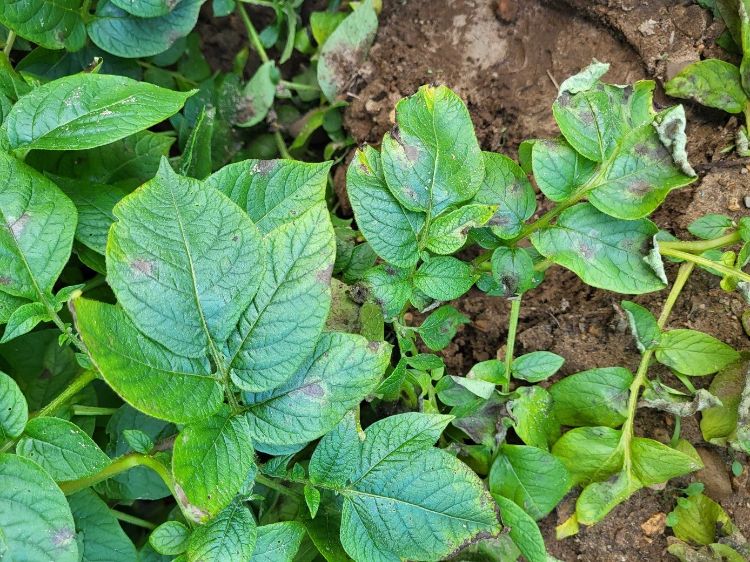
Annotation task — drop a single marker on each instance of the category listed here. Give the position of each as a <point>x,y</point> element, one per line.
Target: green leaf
<point>391,230</point>
<point>532,478</point>
<point>322,24</point>
<point>94,203</point>
<point>654,462</point>
<point>432,159</point>
<point>595,118</point>
<point>720,422</point>
<point>231,535</point>
<point>36,233</point>
<point>639,175</point>
<point>335,458</point>
<point>53,24</point>
<point>599,498</point>
<point>343,369</point>
<point>24,319</point>
<point>441,326</point>
<point>100,536</point>
<point>643,325</point>
<point>14,412</point>
<point>146,8</point>
<point>312,499</point>
<point>505,184</point>
<point>278,542</point>
<point>603,251</point>
<point>119,33</point>
<point>409,500</point>
<point>536,366</point>
<point>106,108</point>
<point>195,161</point>
<point>184,280</point>
<point>35,520</point>
<point>390,287</point>
<point>700,520</point>
<point>257,96</point>
<point>145,374</point>
<point>589,453</point>
<point>448,232</point>
<point>532,416</point>
<point>9,304</point>
<point>523,530</point>
<point>61,448</point>
<point>598,397</point>
<point>694,353</point>
<point>272,192</point>
<point>710,82</point>
<point>170,538</point>
<point>444,278</point>
<point>138,441</point>
<point>512,270</point>
<point>130,161</point>
<point>211,461</point>
<point>559,169</point>
<point>280,327</point>
<point>710,226</point>
<point>346,49</point>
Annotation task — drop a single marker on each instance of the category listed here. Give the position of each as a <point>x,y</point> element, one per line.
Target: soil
<point>505,58</point>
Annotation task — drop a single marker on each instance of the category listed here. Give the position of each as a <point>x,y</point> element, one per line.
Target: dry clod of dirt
<point>655,524</point>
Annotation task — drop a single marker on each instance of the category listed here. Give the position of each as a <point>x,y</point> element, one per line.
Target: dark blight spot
<point>586,251</point>
<point>314,390</point>
<point>263,167</point>
<point>17,226</point>
<point>4,280</point>
<point>63,537</point>
<point>412,152</point>
<point>373,346</point>
<point>639,188</point>
<point>324,275</point>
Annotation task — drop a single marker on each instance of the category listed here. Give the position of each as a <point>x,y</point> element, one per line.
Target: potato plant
<point>194,346</point>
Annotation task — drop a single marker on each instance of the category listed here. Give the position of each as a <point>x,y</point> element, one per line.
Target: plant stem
<point>133,520</point>
<point>80,410</point>
<point>268,483</point>
<point>515,310</point>
<point>78,384</point>
<point>281,145</point>
<point>705,262</point>
<point>9,43</point>
<point>299,87</point>
<point>114,468</point>
<point>699,246</point>
<point>252,34</point>
<point>640,376</point>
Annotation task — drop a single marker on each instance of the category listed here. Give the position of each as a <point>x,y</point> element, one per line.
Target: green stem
<point>705,262</point>
<point>252,34</point>
<point>700,246</point>
<point>299,87</point>
<point>116,467</point>
<point>676,433</point>
<point>641,374</point>
<point>133,520</point>
<point>9,43</point>
<point>281,145</point>
<point>78,384</point>
<point>515,310</point>
<point>79,410</point>
<point>268,483</point>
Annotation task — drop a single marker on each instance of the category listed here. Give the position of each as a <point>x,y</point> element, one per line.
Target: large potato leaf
<point>406,499</point>
<point>432,159</point>
<point>148,376</point>
<point>343,369</point>
<point>36,233</point>
<point>391,229</point>
<point>603,251</point>
<point>120,33</point>
<point>280,327</point>
<point>35,521</point>
<point>53,24</point>
<point>184,262</point>
<point>88,110</point>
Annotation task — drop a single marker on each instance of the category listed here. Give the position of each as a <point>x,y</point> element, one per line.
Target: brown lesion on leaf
<point>324,275</point>
<point>193,512</point>
<point>564,100</point>
<point>586,251</point>
<point>5,280</point>
<point>639,188</point>
<point>146,267</point>
<point>63,537</point>
<point>19,225</point>
<point>263,167</point>
<point>313,389</point>
<point>373,346</point>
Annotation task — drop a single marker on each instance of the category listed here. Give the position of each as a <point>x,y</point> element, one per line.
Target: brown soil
<point>504,57</point>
